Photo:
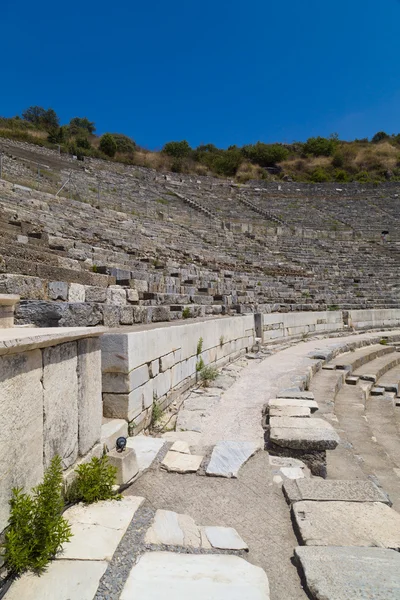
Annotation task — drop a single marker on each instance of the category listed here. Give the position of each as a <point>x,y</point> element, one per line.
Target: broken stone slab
<point>290,468</point>
<point>335,573</point>
<point>347,524</point>
<point>290,411</point>
<point>227,458</point>
<point>292,393</point>
<point>195,576</point>
<point>177,462</point>
<point>334,490</point>
<point>315,460</point>
<point>190,420</point>
<point>64,579</point>
<point>298,402</point>
<point>225,538</point>
<point>146,449</point>
<point>180,446</point>
<point>303,434</point>
<point>165,529</point>
<point>98,528</point>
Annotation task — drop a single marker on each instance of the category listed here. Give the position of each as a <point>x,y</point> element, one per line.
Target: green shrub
<point>94,481</point>
<point>200,364</point>
<point>265,155</point>
<point>199,348</point>
<point>177,149</point>
<point>319,175</point>
<point>208,374</point>
<point>228,162</point>
<point>379,137</point>
<point>186,313</point>
<point>108,145</point>
<point>37,529</point>
<point>319,146</point>
<point>383,342</point>
<point>342,176</point>
<point>83,142</point>
<point>124,143</point>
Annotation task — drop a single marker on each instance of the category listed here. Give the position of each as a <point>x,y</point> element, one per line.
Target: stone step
<point>111,430</point>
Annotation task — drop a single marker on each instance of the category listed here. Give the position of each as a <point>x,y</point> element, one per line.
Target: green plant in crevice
<point>94,481</point>
<point>186,313</point>
<point>199,348</point>
<point>208,374</point>
<point>156,412</point>
<point>36,530</point>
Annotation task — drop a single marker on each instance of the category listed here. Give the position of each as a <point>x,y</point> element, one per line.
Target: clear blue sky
<point>215,71</point>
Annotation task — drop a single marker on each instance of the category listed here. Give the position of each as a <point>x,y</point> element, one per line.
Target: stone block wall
<point>374,318</point>
<point>157,364</point>
<point>50,403</point>
<point>280,325</point>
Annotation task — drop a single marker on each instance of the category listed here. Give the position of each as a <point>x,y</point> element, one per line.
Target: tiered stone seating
<point>129,244</point>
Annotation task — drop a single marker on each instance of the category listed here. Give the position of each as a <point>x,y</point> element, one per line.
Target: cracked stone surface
<point>225,538</point>
<point>228,457</point>
<point>198,577</point>
<point>335,573</point>
<point>347,524</point>
<point>334,490</point>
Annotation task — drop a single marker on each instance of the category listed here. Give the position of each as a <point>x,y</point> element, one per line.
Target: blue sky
<point>216,71</point>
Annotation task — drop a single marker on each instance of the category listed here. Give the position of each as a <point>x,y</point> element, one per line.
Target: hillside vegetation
<point>317,160</point>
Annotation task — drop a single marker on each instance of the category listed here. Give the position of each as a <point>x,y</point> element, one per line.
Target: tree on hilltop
<point>39,116</point>
<point>177,149</point>
<point>78,123</point>
<point>108,145</point>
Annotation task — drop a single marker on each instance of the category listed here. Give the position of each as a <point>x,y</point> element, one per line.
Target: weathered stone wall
<point>280,325</point>
<point>50,403</point>
<point>157,364</point>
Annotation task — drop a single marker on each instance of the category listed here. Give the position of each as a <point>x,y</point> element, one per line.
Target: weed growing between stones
<point>186,313</point>
<point>208,374</point>
<point>383,342</point>
<point>156,413</point>
<point>36,530</point>
<point>94,482</point>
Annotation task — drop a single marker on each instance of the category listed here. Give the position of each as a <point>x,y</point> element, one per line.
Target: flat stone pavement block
<point>303,434</point>
<point>289,411</point>
<point>225,538</point>
<point>180,446</point>
<point>165,529</point>
<point>334,573</point>
<point>146,449</point>
<point>334,490</point>
<point>291,402</point>
<point>182,463</point>
<point>63,580</point>
<point>171,576</point>
<point>347,524</point>
<point>191,437</point>
<point>98,528</point>
<point>227,458</point>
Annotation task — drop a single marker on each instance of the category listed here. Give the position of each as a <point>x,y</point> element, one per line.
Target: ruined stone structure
<point>122,245</point>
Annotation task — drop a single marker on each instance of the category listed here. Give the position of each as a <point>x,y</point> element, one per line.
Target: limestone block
<point>334,490</point>
<point>140,285</point>
<point>126,464</point>
<point>225,538</point>
<point>90,406</point>
<point>162,383</point>
<point>60,386</point>
<point>132,296</point>
<point>21,425</point>
<point>23,285</point>
<point>111,315</point>
<point>74,580</point>
<point>76,292</point>
<point>347,524</point>
<point>95,294</point>
<point>116,295</point>
<point>111,430</point>
<point>196,577</point>
<point>126,315</point>
<point>166,362</point>
<point>122,383</point>
<point>154,367</point>
<point>123,406</point>
<point>303,434</point>
<point>176,375</point>
<point>58,290</point>
<point>337,573</point>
